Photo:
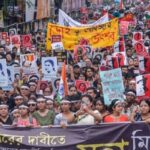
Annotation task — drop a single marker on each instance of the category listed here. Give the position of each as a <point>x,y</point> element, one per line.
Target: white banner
<point>28,63</point>
<point>10,75</point>
<point>30,10</point>
<point>49,67</point>
<point>140,86</point>
<point>66,20</point>
<point>3,73</point>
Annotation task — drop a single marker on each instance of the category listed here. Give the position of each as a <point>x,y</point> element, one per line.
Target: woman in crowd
<point>89,74</point>
<point>24,91</point>
<point>15,114</point>
<point>142,113</point>
<point>32,106</point>
<point>66,116</point>
<point>44,116</point>
<point>86,115</point>
<point>5,118</point>
<point>25,120</point>
<point>82,76</point>
<point>9,60</point>
<point>49,103</point>
<point>115,116</point>
<point>100,106</point>
<point>18,100</point>
<point>48,92</point>
<point>72,90</point>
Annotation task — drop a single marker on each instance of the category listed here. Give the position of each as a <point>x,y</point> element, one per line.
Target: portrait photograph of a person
<point>49,65</point>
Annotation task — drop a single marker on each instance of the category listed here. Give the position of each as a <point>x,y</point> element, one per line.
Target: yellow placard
<point>97,36</point>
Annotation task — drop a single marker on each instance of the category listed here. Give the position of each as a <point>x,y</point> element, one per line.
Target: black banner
<point>61,56</point>
<point>123,136</point>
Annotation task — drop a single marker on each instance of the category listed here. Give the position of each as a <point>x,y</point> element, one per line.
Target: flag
<point>121,4</point>
<point>63,86</point>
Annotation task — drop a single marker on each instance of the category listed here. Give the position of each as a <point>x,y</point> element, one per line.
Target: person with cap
<point>5,118</point>
<point>44,116</point>
<point>115,109</point>
<point>32,106</point>
<point>75,102</point>
<point>25,120</point>
<point>66,116</point>
<point>33,78</point>
<point>76,71</point>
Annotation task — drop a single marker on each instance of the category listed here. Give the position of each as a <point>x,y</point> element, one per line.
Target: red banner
<point>82,85</point>
<point>143,85</point>
<point>26,40</point>
<point>15,39</point>
<point>140,49</point>
<point>124,27</point>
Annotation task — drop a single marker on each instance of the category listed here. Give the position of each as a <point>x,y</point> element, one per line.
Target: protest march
<point>75,75</point>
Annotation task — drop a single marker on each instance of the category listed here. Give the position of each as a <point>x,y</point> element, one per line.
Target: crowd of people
<point>24,106</point>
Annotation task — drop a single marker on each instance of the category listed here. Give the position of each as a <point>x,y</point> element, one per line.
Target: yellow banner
<point>97,36</point>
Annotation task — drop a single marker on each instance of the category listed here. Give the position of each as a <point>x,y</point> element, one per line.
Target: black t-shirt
<point>7,122</point>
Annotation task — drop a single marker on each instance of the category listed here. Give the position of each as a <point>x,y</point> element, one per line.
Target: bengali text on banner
<point>98,36</point>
